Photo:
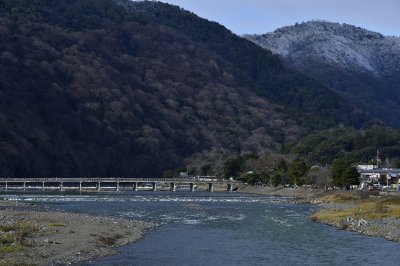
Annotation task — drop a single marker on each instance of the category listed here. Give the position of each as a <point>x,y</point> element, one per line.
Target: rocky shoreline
<point>388,228</point>
<point>343,209</point>
<point>34,235</point>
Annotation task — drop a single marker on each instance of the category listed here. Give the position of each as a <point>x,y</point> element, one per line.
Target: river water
<point>204,228</point>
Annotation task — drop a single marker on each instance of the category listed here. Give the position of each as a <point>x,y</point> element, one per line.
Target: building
<point>378,178</point>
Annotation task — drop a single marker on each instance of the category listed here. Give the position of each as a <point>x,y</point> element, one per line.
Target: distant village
<point>378,176</point>
<point>375,178</point>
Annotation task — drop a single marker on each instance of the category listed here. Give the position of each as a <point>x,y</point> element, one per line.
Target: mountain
<point>121,88</point>
<point>361,65</point>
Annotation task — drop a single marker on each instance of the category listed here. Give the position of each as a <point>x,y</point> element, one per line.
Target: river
<point>203,228</point>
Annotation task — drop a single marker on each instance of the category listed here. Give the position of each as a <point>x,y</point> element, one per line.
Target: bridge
<point>117,184</point>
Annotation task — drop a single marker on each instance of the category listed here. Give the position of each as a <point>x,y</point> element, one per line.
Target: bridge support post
<point>117,186</point>
<point>6,185</point>
<point>173,187</point>
<point>98,186</point>
<point>210,187</point>
<point>42,185</point>
<point>24,185</point>
<point>230,188</point>
<point>80,186</point>
<point>154,186</point>
<point>61,186</point>
<point>134,186</point>
<point>191,187</point>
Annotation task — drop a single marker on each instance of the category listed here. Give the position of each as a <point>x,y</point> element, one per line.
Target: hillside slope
<point>118,88</point>
<point>361,65</point>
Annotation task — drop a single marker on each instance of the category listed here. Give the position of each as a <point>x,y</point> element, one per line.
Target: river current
<point>203,228</point>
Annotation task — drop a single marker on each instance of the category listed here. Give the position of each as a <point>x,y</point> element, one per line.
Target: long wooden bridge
<point>117,184</point>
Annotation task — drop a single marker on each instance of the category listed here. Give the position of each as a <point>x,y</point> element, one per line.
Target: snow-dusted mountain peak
<point>361,65</point>
<point>338,44</point>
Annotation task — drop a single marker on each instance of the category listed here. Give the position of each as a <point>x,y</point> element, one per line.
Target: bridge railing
<point>116,179</point>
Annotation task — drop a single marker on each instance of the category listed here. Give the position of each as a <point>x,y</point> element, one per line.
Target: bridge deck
<point>120,179</point>
<point>105,183</point>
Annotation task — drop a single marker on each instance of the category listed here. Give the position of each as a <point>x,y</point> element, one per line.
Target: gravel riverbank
<point>370,214</point>
<point>31,235</point>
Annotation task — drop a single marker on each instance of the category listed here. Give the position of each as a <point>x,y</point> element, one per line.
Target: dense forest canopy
<point>120,88</point>
<point>358,146</point>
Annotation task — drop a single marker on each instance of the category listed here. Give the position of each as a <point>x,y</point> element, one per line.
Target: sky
<point>261,16</point>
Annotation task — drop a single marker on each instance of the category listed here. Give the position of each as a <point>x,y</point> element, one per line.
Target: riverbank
<point>33,235</point>
<point>374,214</point>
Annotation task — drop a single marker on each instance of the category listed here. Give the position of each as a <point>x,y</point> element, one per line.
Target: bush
<point>8,249</point>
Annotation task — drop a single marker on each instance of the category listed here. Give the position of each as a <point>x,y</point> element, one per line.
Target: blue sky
<point>261,16</point>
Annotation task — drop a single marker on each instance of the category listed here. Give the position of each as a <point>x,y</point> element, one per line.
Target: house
<point>207,178</point>
<point>379,177</point>
<point>186,175</point>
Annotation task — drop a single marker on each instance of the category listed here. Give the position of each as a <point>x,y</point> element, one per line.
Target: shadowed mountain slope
<point>119,88</point>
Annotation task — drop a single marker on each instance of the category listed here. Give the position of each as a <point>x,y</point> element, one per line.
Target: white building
<point>379,177</point>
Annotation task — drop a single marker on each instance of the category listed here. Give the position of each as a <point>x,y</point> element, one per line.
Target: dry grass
<point>6,239</point>
<point>339,197</point>
<point>56,224</point>
<point>367,209</point>
<point>332,216</point>
<point>7,228</point>
<point>9,248</point>
<point>13,236</point>
<point>109,240</point>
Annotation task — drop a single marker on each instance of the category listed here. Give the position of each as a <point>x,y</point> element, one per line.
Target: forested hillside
<point>120,88</point>
<point>357,146</point>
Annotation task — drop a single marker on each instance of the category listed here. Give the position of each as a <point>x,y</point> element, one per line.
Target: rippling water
<point>225,229</point>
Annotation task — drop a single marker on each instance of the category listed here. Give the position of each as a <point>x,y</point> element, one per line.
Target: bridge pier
<point>154,186</point>
<point>210,187</point>
<point>42,185</point>
<point>173,187</point>
<point>80,186</point>
<point>191,187</point>
<point>61,186</point>
<point>98,186</point>
<point>134,186</point>
<point>24,185</point>
<point>117,186</point>
<point>6,185</point>
<point>230,188</point>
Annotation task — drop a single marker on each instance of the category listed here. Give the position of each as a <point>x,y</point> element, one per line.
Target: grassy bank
<point>367,208</point>
<point>370,215</point>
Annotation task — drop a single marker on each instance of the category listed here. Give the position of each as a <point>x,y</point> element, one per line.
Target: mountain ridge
<point>361,65</point>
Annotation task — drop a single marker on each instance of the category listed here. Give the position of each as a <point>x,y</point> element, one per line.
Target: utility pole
<point>378,160</point>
